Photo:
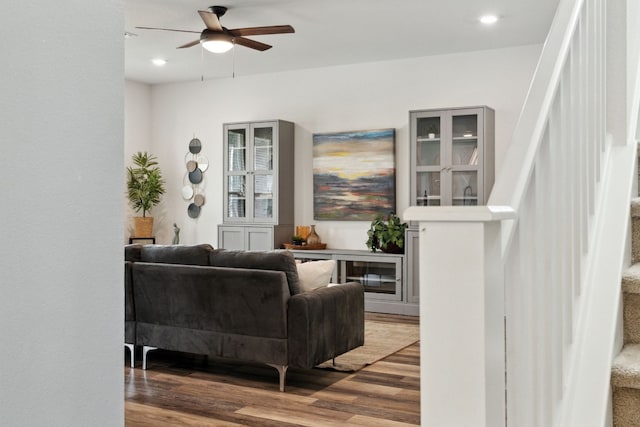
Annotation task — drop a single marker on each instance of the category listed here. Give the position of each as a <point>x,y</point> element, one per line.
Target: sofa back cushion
<point>133,253</point>
<point>277,260</point>
<point>231,301</point>
<point>176,254</point>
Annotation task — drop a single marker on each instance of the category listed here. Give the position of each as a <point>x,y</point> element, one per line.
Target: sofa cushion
<point>177,254</point>
<point>278,260</point>
<point>315,274</point>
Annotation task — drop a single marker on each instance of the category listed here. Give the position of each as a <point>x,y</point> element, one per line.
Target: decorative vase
<point>313,238</point>
<point>143,226</point>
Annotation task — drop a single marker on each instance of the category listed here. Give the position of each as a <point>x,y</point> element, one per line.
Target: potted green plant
<point>145,187</point>
<point>386,234</point>
<point>297,240</point>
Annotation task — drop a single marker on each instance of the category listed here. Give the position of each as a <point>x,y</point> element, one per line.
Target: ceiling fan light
<point>217,46</point>
<point>216,43</point>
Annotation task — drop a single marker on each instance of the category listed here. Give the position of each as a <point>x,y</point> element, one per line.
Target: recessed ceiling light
<point>488,19</point>
<point>159,62</point>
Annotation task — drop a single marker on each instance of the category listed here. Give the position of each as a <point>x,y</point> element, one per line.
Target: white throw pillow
<point>315,274</point>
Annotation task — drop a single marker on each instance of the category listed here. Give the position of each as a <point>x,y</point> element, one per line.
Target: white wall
<point>137,133</point>
<point>61,309</point>
<point>353,97</point>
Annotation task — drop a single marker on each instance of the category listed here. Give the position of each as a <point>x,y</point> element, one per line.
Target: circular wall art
<point>195,146</point>
<point>195,177</point>
<point>198,199</point>
<point>193,210</point>
<point>196,165</point>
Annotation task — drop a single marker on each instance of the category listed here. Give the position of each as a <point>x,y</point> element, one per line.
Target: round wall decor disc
<point>193,211</point>
<point>187,192</point>
<point>203,163</point>
<point>195,177</point>
<point>192,165</point>
<point>198,199</point>
<point>195,146</point>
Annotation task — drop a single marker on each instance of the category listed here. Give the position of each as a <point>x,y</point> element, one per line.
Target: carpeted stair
<point>625,374</point>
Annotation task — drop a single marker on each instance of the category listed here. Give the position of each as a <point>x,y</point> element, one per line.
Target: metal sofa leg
<point>282,371</point>
<point>145,350</point>
<point>132,352</point>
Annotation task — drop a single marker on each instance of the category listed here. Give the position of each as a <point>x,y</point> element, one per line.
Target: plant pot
<point>143,226</point>
<point>392,248</point>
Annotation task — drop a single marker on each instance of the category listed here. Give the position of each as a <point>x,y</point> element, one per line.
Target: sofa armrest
<point>325,323</point>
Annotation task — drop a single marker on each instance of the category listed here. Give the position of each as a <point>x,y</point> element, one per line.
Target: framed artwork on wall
<point>354,176</point>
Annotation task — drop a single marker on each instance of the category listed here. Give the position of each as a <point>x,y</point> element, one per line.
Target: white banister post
<point>462,350</point>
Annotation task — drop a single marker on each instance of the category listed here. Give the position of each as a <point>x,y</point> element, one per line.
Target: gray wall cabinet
<point>258,185</point>
<point>452,164</point>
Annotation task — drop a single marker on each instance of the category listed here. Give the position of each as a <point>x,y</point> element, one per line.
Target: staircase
<point>625,374</point>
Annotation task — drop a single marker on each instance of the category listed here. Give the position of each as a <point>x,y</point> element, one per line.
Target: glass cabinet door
<point>236,172</point>
<point>263,172</point>
<point>463,174</point>
<point>429,157</point>
<point>380,279</point>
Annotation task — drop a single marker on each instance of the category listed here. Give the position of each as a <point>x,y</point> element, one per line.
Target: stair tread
<point>631,279</point>
<point>626,367</point>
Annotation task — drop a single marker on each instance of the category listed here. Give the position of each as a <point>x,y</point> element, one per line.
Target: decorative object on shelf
<point>353,174</point>
<point>297,240</point>
<point>176,234</point>
<point>303,231</point>
<point>313,238</point>
<point>145,187</point>
<point>196,166</point>
<point>432,131</point>
<point>305,247</point>
<point>387,234</point>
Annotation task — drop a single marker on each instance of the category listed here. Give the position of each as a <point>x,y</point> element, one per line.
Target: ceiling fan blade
<point>210,20</point>
<point>193,43</point>
<point>259,31</point>
<point>169,29</point>
<point>251,43</point>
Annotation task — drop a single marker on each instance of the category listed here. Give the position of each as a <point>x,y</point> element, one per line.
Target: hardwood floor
<point>186,390</point>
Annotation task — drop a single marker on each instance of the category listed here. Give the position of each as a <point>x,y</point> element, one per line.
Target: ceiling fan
<point>216,38</point>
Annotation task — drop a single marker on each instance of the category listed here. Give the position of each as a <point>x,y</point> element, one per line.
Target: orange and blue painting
<point>354,175</point>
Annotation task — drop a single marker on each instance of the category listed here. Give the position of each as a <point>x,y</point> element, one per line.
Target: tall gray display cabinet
<point>452,164</point>
<point>258,185</point>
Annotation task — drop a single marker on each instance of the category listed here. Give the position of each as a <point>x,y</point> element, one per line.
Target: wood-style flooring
<point>179,389</point>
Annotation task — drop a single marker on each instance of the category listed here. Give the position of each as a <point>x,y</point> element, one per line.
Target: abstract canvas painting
<point>353,174</point>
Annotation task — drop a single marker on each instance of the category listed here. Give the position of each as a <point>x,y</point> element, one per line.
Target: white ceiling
<point>328,33</point>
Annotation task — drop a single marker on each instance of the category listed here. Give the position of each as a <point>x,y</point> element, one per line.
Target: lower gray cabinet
<point>383,276</point>
<point>412,248</point>
<point>253,238</point>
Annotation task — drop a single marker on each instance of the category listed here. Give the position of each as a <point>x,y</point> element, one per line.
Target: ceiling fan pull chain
<point>201,63</point>
<point>233,70</point>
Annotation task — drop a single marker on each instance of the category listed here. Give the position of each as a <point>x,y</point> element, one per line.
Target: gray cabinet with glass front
<point>452,154</point>
<point>258,178</point>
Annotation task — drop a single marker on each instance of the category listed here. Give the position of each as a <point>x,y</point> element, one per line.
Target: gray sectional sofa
<point>244,305</point>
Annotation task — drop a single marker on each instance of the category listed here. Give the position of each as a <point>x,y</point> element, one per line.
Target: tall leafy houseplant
<point>387,234</point>
<point>145,188</point>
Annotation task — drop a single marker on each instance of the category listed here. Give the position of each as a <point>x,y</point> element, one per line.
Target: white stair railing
<point>530,283</point>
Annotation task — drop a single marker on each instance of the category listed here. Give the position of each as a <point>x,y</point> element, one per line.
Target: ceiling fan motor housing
<point>218,10</point>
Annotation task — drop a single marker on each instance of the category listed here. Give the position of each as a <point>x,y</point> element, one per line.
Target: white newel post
<point>462,351</point>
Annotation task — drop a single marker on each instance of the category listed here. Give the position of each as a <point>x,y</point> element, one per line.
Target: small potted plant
<point>387,234</point>
<point>297,240</point>
<point>145,187</point>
